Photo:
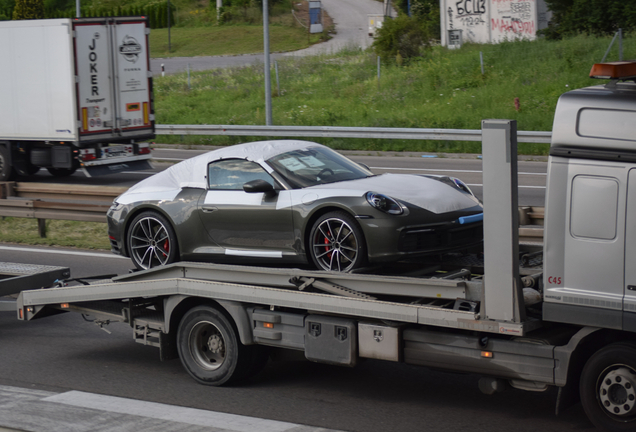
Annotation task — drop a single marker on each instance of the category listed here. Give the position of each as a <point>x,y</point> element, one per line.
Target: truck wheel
<point>209,347</point>
<point>151,241</point>
<point>6,170</point>
<point>61,172</point>
<point>336,243</point>
<point>608,388</point>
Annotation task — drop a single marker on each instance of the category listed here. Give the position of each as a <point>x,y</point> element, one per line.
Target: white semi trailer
<point>570,324</point>
<point>75,94</point>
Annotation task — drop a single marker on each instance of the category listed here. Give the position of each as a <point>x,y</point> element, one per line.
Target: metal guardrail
<point>344,132</point>
<point>43,201</point>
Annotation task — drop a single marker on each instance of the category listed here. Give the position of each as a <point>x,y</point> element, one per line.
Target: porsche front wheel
<point>336,243</point>
<point>151,241</point>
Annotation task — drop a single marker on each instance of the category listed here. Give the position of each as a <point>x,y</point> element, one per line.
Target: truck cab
<point>590,231</point>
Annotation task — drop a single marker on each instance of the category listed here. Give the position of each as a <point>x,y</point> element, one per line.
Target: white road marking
<point>172,413</point>
<point>451,170</point>
<point>60,252</point>
<point>139,172</point>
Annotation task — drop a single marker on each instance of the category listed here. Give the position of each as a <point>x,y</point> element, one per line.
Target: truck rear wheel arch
<point>177,306</point>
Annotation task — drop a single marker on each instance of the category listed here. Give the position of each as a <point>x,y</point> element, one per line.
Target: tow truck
<point>568,321</point>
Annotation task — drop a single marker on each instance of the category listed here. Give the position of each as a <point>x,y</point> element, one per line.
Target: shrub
<point>403,35</point>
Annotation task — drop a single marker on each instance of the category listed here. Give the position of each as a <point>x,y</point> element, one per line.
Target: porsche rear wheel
<point>336,243</point>
<point>151,241</point>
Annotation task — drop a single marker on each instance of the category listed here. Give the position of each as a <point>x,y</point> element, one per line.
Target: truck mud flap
<point>99,170</point>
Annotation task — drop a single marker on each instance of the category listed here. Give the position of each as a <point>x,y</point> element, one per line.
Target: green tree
<point>28,9</point>
<point>597,17</point>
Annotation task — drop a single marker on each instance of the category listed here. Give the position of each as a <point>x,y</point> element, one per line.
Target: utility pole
<point>268,79</point>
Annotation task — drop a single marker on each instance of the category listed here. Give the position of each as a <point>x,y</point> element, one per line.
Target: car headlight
<point>461,185</point>
<point>114,206</point>
<point>384,203</point>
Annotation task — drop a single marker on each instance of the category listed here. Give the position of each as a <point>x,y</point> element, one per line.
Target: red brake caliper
<point>327,247</point>
<point>166,247</point>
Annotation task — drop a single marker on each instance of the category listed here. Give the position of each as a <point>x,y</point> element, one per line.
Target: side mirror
<point>256,186</point>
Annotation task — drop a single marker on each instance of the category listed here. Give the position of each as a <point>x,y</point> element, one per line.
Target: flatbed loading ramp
<point>18,277</point>
<point>424,301</point>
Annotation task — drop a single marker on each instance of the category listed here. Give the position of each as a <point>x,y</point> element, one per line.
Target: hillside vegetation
<point>443,89</point>
<point>196,27</point>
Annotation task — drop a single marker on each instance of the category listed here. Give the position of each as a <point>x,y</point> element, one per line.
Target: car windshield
<point>315,166</point>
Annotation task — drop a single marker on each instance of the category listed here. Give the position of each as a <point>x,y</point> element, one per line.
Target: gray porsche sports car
<point>290,201</point>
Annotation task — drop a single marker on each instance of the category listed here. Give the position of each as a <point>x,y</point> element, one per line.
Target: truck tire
<point>6,170</point>
<point>61,172</point>
<point>608,388</point>
<point>210,349</point>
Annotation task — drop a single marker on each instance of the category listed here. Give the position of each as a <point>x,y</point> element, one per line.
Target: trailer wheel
<point>608,388</point>
<point>151,241</point>
<point>336,243</point>
<point>6,170</point>
<point>210,349</point>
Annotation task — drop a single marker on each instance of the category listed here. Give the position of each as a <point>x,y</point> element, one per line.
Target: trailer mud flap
<point>99,170</point>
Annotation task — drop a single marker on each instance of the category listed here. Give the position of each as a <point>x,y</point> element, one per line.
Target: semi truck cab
<point>590,233</point>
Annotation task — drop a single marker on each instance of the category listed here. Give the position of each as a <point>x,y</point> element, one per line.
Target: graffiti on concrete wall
<point>513,19</point>
<point>471,16</point>
<point>484,21</point>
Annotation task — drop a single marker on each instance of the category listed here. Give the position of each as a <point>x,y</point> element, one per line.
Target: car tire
<point>336,243</point>
<point>210,349</point>
<point>151,241</point>
<point>608,387</point>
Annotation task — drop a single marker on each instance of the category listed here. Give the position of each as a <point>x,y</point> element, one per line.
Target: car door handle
<point>209,209</point>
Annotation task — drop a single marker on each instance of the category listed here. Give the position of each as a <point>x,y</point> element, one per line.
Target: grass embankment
<point>84,235</point>
<point>226,40</point>
<point>445,89</point>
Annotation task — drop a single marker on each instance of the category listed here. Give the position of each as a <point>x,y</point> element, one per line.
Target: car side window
<point>232,174</point>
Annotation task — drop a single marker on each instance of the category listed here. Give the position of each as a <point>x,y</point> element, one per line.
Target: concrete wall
<point>493,21</point>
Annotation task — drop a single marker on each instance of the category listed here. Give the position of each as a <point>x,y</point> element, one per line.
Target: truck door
<point>629,303</point>
<point>94,90</point>
<point>593,276</point>
<point>131,64</point>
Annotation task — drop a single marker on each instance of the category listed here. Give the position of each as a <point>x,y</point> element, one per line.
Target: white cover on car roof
<point>192,172</point>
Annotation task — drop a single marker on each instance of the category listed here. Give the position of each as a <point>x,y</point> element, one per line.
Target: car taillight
<point>144,150</point>
<point>87,155</point>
